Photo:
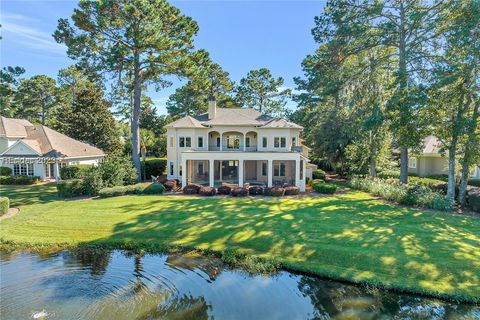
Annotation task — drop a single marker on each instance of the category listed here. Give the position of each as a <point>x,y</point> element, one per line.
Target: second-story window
<point>218,142</point>
<point>185,142</point>
<point>200,142</point>
<point>264,142</point>
<point>294,141</point>
<point>247,142</point>
<point>233,142</point>
<point>279,142</point>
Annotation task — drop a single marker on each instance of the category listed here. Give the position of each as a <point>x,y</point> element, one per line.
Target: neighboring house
<point>235,146</point>
<point>429,161</point>
<point>36,150</point>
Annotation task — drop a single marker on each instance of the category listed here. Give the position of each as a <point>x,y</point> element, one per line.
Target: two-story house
<point>36,150</point>
<point>235,146</point>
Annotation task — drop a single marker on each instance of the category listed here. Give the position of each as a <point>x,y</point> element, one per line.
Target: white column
<point>298,182</point>
<point>270,173</point>
<point>302,188</point>
<point>240,173</point>
<point>211,172</point>
<point>57,171</point>
<point>184,172</point>
<point>244,139</point>
<point>221,141</point>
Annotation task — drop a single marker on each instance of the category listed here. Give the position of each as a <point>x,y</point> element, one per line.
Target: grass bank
<point>351,237</point>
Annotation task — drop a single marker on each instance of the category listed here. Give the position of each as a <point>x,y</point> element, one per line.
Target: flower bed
<point>256,191</point>
<point>192,188</point>
<point>171,185</point>
<point>224,190</point>
<point>207,191</point>
<point>275,191</point>
<point>292,190</point>
<point>239,192</point>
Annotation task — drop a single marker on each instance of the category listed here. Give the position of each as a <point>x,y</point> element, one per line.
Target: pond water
<point>124,285</point>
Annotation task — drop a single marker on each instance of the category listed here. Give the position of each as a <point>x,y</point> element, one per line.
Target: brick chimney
<point>212,107</point>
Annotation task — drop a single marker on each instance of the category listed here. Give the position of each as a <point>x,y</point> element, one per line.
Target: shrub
<point>474,182</point>
<point>170,185</point>
<point>191,188</point>
<point>414,194</point>
<point>154,167</point>
<point>5,171</point>
<point>427,182</point>
<point>319,174</point>
<point>313,182</point>
<point>93,182</point>
<point>117,171</point>
<point>113,192</point>
<point>19,180</point>
<point>442,177</point>
<point>325,188</point>
<point>207,191</point>
<point>70,188</point>
<point>154,188</point>
<point>275,191</point>
<point>473,198</point>
<point>387,174</point>
<point>256,190</point>
<point>224,190</point>
<point>292,190</point>
<point>4,205</point>
<point>78,171</point>
<point>239,192</point>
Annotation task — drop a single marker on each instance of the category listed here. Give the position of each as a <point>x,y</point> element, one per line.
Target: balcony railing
<point>226,148</point>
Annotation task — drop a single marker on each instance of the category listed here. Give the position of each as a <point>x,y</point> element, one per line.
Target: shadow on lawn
<point>349,237</point>
<point>30,194</point>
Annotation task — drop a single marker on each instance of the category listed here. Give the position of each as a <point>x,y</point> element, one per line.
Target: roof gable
<point>24,148</point>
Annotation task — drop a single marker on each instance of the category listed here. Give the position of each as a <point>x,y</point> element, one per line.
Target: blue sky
<point>240,36</point>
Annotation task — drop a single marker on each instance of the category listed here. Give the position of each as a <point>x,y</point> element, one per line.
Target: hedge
<point>154,167</point>
<point>275,191</point>
<point>207,191</point>
<point>325,188</point>
<point>474,182</point>
<point>70,188</point>
<point>239,192</point>
<point>19,180</point>
<point>4,205</point>
<point>191,188</point>
<point>5,171</point>
<point>474,199</point>
<point>139,188</point>
<point>313,182</point>
<point>224,190</point>
<point>77,171</point>
<point>256,190</point>
<point>292,190</point>
<point>154,188</point>
<point>319,174</point>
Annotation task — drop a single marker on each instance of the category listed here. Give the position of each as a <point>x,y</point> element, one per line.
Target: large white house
<point>36,150</point>
<point>235,146</point>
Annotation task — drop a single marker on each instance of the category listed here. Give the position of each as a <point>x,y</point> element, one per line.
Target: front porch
<point>268,170</point>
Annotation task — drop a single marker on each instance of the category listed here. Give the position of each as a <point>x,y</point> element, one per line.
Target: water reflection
<point>128,285</point>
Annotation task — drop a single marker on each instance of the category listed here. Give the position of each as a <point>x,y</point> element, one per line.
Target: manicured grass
<point>350,236</point>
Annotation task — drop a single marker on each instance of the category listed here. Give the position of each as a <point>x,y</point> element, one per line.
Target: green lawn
<point>349,236</point>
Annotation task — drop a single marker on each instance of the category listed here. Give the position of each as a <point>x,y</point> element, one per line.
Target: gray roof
<point>46,141</point>
<point>233,116</point>
<point>431,144</point>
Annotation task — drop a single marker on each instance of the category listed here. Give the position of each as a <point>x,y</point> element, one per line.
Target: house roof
<point>431,145</point>
<point>233,116</point>
<point>46,141</point>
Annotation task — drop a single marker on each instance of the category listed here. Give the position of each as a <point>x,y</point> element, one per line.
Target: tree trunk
<point>466,162</point>
<point>403,165</point>
<point>135,125</point>
<point>451,168</point>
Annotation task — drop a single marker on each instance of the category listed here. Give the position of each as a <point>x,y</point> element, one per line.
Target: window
<point>24,169</point>
<point>294,141</point>
<point>171,168</point>
<point>180,170</point>
<point>264,168</point>
<point>412,163</point>
<point>279,169</point>
<point>264,142</point>
<point>276,142</point>
<point>247,142</point>
<point>200,168</point>
<point>283,142</point>
<point>185,142</point>
<point>279,142</point>
<point>200,142</point>
<point>172,141</point>
<point>233,142</point>
<point>218,142</point>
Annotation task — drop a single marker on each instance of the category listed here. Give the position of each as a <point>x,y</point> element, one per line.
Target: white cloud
<point>15,28</point>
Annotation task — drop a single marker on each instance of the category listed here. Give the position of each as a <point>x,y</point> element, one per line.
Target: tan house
<point>236,146</point>
<point>36,150</point>
<point>429,161</point>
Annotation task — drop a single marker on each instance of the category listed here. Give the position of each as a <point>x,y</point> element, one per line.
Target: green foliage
<point>77,171</point>
<point>319,174</point>
<point>4,205</point>
<point>474,199</point>
<point>139,188</point>
<point>313,182</point>
<point>19,180</point>
<point>414,194</point>
<point>474,182</point>
<point>260,90</point>
<point>9,81</point>
<point>5,171</point>
<point>71,188</point>
<point>155,167</point>
<point>325,188</point>
<point>253,264</point>
<point>154,188</point>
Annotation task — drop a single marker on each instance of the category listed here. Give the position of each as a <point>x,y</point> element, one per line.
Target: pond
<point>124,285</point>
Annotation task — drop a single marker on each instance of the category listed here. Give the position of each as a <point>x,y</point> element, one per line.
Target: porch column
<point>270,173</point>
<point>184,172</point>
<point>221,141</point>
<point>211,172</point>
<point>244,139</point>
<point>298,182</point>
<point>240,173</point>
<point>57,170</point>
